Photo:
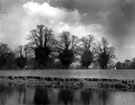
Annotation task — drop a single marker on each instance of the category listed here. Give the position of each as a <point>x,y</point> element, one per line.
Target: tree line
<point>127,64</point>
<point>45,51</point>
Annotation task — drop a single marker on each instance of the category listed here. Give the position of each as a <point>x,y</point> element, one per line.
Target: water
<point>22,95</point>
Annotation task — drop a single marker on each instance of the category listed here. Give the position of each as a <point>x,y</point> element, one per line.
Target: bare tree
<point>42,42</point>
<point>67,48</point>
<point>105,53</point>
<point>21,59</point>
<point>87,55</point>
<point>6,56</point>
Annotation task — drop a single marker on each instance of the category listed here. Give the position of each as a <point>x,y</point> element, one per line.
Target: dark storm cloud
<point>121,19</point>
<point>119,14</point>
<point>116,16</point>
<point>90,7</point>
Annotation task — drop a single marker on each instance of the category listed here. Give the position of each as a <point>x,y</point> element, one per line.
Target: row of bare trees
<point>68,49</point>
<point>46,51</point>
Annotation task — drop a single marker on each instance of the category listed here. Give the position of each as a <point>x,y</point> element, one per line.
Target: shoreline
<point>72,83</point>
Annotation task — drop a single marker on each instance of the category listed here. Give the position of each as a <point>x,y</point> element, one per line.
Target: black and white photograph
<point>67,52</point>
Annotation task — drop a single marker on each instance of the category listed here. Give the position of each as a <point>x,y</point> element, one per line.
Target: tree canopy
<point>87,55</point>
<point>42,41</point>
<point>105,53</point>
<point>67,48</point>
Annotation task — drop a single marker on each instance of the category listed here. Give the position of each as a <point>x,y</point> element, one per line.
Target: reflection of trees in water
<point>65,96</point>
<point>22,94</point>
<point>86,96</point>
<point>41,96</point>
<point>95,97</point>
<point>5,91</point>
<point>103,97</point>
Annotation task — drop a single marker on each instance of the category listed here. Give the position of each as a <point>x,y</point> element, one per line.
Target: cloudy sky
<point>113,19</point>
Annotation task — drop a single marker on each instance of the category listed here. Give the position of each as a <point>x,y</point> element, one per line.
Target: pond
<point>24,95</point>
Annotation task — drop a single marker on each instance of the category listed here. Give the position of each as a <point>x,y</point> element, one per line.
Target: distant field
<point>110,74</point>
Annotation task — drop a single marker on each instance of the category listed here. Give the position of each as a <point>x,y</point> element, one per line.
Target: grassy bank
<point>107,74</point>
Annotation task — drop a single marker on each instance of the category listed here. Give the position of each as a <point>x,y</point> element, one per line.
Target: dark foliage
<point>21,61</point>
<point>87,55</point>
<point>133,65</point>
<point>6,56</point>
<point>42,55</point>
<point>10,64</point>
<point>67,49</point>
<point>105,53</point>
<point>66,57</point>
<point>118,65</point>
<point>127,64</point>
<point>103,60</point>
<point>3,60</point>
<point>42,42</point>
<point>86,58</point>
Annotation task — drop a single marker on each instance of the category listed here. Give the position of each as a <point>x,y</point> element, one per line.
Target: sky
<point>113,19</point>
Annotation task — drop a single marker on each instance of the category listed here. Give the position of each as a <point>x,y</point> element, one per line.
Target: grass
<point>109,74</point>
